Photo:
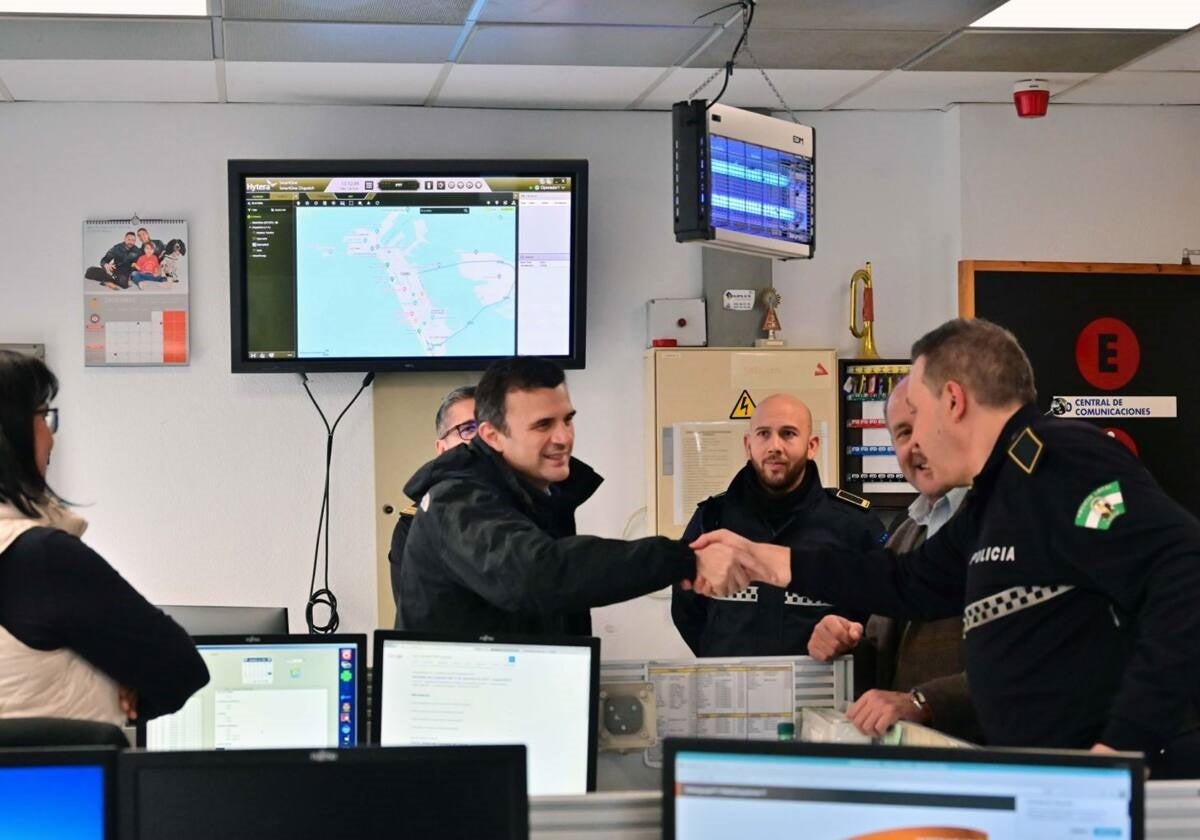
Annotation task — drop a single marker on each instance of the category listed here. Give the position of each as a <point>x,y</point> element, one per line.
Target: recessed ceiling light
<point>146,8</point>
<point>1093,14</point>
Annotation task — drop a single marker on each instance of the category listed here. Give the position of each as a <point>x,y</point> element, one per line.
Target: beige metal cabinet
<point>694,444</point>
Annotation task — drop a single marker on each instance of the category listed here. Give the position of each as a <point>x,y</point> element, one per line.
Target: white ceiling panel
<point>544,86</point>
<point>627,12</point>
<point>599,46</point>
<point>350,11</point>
<point>916,89</point>
<point>807,90</point>
<point>1126,88</point>
<point>347,43</point>
<point>110,81</point>
<point>329,82</point>
<point>1181,54</point>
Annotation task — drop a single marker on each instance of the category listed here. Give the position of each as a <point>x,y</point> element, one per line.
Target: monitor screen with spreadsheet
<point>51,793</point>
<point>720,789</point>
<point>536,691</point>
<point>270,692</point>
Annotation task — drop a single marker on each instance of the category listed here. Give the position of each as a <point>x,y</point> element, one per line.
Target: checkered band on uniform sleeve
<point>1007,602</point>
<point>748,595</point>
<point>791,599</point>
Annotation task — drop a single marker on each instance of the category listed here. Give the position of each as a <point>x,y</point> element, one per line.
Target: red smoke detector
<point>1032,97</point>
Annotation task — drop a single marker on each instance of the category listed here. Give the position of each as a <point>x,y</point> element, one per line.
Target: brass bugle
<point>866,332</point>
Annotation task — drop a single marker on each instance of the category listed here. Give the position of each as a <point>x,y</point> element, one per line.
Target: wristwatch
<point>918,698</point>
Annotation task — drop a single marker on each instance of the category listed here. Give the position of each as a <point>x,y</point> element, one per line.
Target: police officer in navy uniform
<point>777,497</point>
<point>1078,578</point>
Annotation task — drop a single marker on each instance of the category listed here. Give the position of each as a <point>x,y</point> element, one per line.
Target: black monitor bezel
<point>359,640</point>
<point>382,636</point>
<point>277,761</point>
<point>103,757</point>
<point>1133,763</point>
<point>240,169</point>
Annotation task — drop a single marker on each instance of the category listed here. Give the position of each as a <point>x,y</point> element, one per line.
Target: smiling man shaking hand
<point>493,547</point>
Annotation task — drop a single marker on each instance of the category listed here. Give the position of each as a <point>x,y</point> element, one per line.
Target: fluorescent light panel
<point>145,8</point>
<point>1093,14</point>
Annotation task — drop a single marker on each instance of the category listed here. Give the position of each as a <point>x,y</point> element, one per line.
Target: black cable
<point>325,596</point>
<point>747,19</point>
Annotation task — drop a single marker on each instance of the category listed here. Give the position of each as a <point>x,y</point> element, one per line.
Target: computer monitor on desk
<point>537,691</point>
<point>722,789</point>
<point>51,793</point>
<point>212,621</point>
<point>270,692</point>
<point>296,794</point>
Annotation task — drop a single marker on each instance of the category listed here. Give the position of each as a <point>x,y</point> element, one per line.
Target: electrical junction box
<point>681,319</point>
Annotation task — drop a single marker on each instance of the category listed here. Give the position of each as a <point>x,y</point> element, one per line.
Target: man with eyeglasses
<point>455,425</point>
<point>493,546</point>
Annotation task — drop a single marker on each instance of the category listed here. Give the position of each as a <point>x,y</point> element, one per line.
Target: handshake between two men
<point>727,563</point>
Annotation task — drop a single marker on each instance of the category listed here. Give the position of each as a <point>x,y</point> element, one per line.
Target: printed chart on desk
<point>135,292</point>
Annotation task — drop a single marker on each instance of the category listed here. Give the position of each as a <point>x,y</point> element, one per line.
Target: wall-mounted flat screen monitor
<point>292,794</point>
<point>540,692</point>
<point>54,793</point>
<point>270,692</point>
<point>377,265</point>
<point>713,790</point>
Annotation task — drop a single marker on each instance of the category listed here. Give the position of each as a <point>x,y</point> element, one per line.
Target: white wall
<point>205,486</point>
<point>1086,183</point>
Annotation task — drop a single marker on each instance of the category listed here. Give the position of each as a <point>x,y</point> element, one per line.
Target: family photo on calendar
<point>121,257</point>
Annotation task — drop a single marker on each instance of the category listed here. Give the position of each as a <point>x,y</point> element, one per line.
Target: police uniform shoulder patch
<point>851,499</point>
<point>1026,450</point>
<point>1101,507</point>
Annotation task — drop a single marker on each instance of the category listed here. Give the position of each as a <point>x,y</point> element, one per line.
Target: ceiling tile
<point>180,39</point>
<point>351,11</point>
<point>541,86</point>
<point>802,90</point>
<point>916,90</point>
<point>328,82</point>
<point>1130,88</point>
<point>603,46</point>
<point>341,42</point>
<point>111,81</point>
<point>1012,51</point>
<point>1181,54</point>
<point>825,49</point>
<point>624,12</point>
<point>940,15</point>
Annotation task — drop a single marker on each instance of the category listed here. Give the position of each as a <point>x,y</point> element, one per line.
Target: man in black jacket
<point>492,548</point>
<point>1078,578</point>
<point>118,261</point>
<point>455,425</point>
<point>776,498</point>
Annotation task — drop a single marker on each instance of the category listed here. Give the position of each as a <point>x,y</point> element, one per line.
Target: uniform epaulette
<point>851,499</point>
<point>1026,450</point>
<point>409,512</point>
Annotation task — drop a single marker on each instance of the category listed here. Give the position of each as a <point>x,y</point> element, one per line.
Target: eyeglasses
<point>466,430</point>
<point>51,415</point>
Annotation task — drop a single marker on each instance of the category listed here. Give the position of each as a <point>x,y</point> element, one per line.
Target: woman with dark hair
<point>76,640</point>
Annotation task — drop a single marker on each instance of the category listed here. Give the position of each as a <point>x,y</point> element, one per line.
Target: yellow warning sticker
<point>743,408</point>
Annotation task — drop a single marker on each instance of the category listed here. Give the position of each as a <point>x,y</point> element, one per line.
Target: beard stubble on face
<point>776,482</point>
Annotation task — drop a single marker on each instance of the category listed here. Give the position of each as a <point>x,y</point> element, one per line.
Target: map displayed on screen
<point>398,281</point>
